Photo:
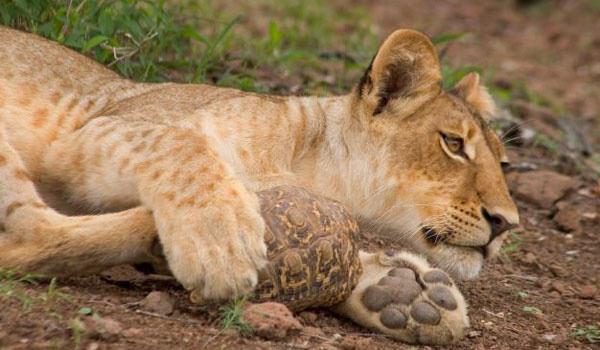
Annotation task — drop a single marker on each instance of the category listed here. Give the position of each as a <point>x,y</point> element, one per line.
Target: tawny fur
<point>185,160</point>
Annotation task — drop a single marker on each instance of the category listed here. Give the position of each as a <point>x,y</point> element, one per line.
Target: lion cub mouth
<point>433,237</point>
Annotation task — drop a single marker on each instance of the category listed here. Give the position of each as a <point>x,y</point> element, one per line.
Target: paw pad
<point>392,317</point>
<point>376,298</point>
<point>402,272</point>
<point>434,276</point>
<point>425,313</point>
<point>442,297</point>
<point>403,291</point>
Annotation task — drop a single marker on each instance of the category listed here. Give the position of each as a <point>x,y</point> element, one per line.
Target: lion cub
<point>186,160</point>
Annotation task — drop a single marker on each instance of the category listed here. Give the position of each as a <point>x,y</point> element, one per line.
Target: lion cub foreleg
<point>208,223</point>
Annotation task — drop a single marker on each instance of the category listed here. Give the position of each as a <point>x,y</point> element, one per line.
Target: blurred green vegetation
<point>198,41</point>
<point>310,47</point>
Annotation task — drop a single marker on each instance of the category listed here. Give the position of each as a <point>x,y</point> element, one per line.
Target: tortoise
<point>314,261</point>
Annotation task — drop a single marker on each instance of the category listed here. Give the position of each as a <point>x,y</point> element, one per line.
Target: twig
<point>182,320</point>
<point>523,277</point>
<point>491,313</point>
<point>209,340</point>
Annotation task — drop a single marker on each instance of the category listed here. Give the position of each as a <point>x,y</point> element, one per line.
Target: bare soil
<point>542,288</point>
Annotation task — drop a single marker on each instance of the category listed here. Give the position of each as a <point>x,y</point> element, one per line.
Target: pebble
<point>568,219</point>
<point>559,287</point>
<point>541,187</point>
<point>474,334</point>
<point>308,317</point>
<point>588,291</point>
<point>102,328</point>
<point>271,320</point>
<point>158,302</point>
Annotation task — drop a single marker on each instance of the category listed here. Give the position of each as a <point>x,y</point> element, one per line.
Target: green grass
<point>201,41</point>
<point>513,244</point>
<point>545,141</point>
<point>231,317</point>
<point>589,333</point>
<point>142,40</point>
<point>12,286</point>
<point>306,47</point>
<point>532,310</point>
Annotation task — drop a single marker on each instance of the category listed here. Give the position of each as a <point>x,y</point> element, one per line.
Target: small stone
<point>529,258</point>
<point>550,338</point>
<point>271,320</point>
<point>93,346</point>
<point>474,334</point>
<point>425,313</point>
<point>541,187</point>
<point>376,298</point>
<point>558,271</point>
<point>102,328</point>
<point>308,317</point>
<point>559,287</point>
<point>437,276</point>
<point>568,219</point>
<point>392,317</point>
<point>442,297</point>
<point>313,332</point>
<point>158,302</point>
<point>588,291</point>
<point>132,333</point>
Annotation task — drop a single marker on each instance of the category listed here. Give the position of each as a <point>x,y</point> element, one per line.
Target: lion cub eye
<point>455,144</point>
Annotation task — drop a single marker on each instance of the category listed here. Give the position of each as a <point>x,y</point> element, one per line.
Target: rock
<point>541,187</point>
<point>313,332</point>
<point>549,337</point>
<point>158,302</point>
<point>308,317</point>
<point>132,333</point>
<point>93,346</point>
<point>271,320</point>
<point>102,328</point>
<point>568,219</point>
<point>529,258</point>
<point>559,287</point>
<point>351,342</point>
<point>558,270</point>
<point>474,334</point>
<point>588,291</point>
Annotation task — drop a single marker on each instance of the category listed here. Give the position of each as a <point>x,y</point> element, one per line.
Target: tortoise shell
<point>312,251</point>
<point>311,248</point>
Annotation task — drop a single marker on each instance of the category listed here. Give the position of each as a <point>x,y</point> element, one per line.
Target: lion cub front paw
<point>219,261</point>
<point>401,296</point>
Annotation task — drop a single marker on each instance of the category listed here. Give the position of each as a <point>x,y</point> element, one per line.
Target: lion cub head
<point>433,166</point>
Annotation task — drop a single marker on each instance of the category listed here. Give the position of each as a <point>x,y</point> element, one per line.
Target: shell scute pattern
<point>313,258</point>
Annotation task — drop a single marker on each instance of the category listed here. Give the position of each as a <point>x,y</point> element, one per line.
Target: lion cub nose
<point>497,222</point>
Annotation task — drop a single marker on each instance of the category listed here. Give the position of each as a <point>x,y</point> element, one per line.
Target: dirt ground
<point>539,294</point>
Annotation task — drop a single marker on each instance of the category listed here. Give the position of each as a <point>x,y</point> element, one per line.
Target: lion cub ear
<point>475,95</point>
<point>404,74</point>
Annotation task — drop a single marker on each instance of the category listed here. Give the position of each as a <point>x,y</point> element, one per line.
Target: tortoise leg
<point>400,295</point>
